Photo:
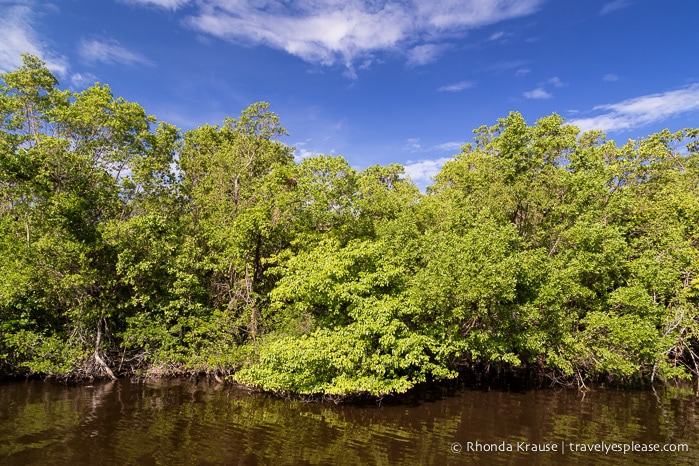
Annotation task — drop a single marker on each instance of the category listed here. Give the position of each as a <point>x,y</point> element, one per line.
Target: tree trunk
<point>98,359</point>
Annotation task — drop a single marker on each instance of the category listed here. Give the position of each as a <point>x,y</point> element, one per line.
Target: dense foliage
<point>127,246</point>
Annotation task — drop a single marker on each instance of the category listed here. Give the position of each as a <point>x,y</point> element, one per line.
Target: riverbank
<point>129,247</point>
<point>519,379</point>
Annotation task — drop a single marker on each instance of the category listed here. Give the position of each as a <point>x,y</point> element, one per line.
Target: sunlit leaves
<point>213,251</point>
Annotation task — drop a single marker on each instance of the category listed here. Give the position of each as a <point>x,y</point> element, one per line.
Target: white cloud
<point>616,5</point>
<point>413,144</point>
<point>18,36</point>
<point>344,32</point>
<point>556,82</point>
<point>423,171</point>
<point>611,77</point>
<point>167,4</point>
<point>111,53</point>
<point>456,87</point>
<point>522,72</point>
<point>424,54</point>
<point>538,93</point>
<point>464,14</point>
<point>301,153</point>
<point>642,111</point>
<point>82,80</point>
<point>451,146</point>
<point>497,35</point>
<point>501,66</point>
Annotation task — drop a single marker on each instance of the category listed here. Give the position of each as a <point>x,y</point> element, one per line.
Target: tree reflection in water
<point>179,422</point>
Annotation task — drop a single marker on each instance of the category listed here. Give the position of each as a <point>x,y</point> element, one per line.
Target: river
<point>182,422</point>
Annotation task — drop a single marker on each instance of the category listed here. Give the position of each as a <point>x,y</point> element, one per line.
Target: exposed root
<point>101,366</point>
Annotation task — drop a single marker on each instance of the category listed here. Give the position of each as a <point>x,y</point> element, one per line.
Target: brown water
<point>177,422</point>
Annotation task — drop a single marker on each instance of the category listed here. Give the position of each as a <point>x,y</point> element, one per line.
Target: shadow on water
<point>181,422</point>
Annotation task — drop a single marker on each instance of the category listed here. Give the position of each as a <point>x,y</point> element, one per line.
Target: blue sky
<point>373,80</point>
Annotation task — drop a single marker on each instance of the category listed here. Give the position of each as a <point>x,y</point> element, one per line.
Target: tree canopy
<point>130,247</point>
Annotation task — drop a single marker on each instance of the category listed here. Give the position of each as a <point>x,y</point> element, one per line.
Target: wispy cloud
<point>538,93</point>
<point>424,54</point>
<point>616,5</point>
<point>415,145</point>
<point>82,80</point>
<point>497,35</point>
<point>412,145</point>
<point>18,35</point>
<point>501,66</point>
<point>456,87</point>
<point>111,53</point>
<point>167,4</point>
<point>330,32</point>
<point>611,77</point>
<point>556,82</point>
<point>642,111</point>
<point>451,146</point>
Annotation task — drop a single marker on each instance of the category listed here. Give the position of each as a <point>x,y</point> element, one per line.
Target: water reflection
<point>179,422</point>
